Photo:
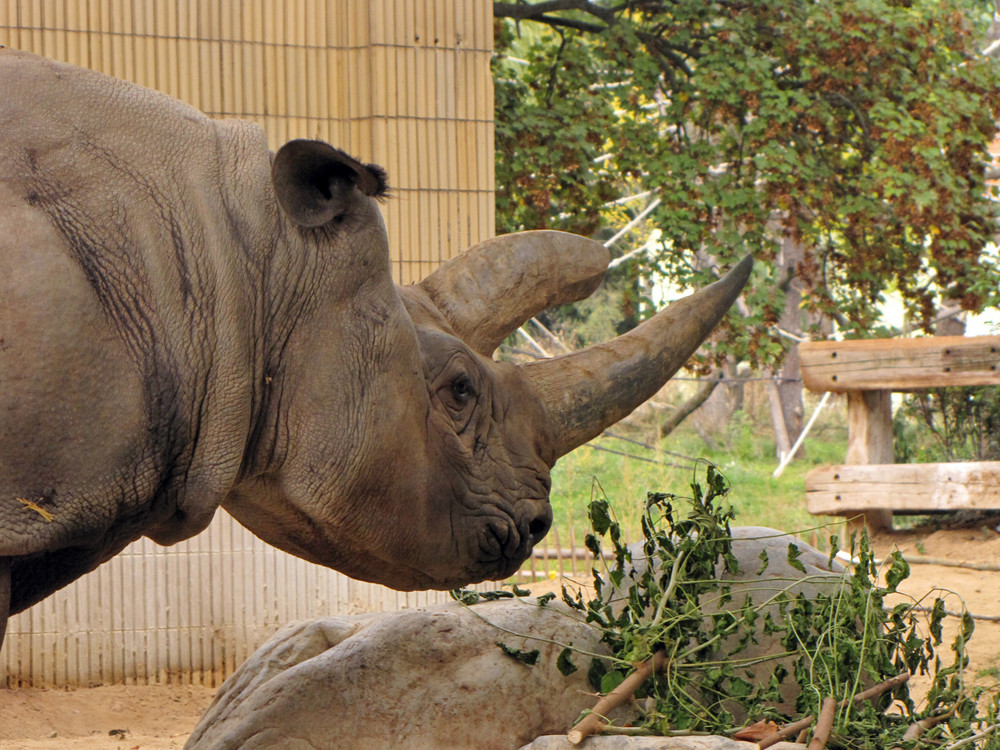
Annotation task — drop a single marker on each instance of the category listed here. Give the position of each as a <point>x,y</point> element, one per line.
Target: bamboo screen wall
<point>404,84</point>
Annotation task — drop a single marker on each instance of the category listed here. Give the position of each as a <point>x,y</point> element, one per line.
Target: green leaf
<point>793,557</point>
<point>465,596</point>
<point>600,517</point>
<point>936,624</point>
<point>763,560</point>
<point>565,663</point>
<point>593,544</point>
<point>525,657</point>
<point>898,571</point>
<point>492,596</point>
<point>611,680</point>
<point>596,672</point>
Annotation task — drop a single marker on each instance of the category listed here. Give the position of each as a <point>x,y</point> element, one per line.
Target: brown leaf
<point>757,731</point>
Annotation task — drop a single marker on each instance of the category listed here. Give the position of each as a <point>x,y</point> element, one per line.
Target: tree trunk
<point>682,412</point>
<point>786,397</point>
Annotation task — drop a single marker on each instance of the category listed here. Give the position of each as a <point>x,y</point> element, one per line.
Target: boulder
<point>436,678</point>
<point>421,679</point>
<point>559,742</point>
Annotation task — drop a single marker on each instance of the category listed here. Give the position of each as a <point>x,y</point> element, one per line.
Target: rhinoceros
<point>189,320</point>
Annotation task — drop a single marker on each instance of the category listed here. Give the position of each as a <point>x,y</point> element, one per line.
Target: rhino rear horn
<point>493,287</point>
<point>315,182</point>
<point>586,392</point>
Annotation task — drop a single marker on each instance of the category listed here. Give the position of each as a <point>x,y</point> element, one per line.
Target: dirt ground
<point>161,718</point>
<point>115,717</point>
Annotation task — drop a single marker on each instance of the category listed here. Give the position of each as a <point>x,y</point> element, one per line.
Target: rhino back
<point>126,346</point>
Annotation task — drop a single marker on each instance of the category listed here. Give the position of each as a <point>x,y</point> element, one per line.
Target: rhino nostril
<point>538,528</point>
<point>534,520</point>
<point>539,525</point>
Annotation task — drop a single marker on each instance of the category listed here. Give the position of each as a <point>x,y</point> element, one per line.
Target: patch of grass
<point>745,454</point>
<point>993,672</point>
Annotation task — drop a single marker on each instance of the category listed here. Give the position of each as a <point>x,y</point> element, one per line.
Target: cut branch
<point>916,730</point>
<point>789,730</point>
<point>594,721</point>
<point>824,725</point>
<point>873,692</point>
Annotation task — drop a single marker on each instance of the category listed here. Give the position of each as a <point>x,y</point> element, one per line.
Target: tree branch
<point>593,721</point>
<point>824,725</point>
<point>533,11</point>
<point>540,13</point>
<point>705,389</point>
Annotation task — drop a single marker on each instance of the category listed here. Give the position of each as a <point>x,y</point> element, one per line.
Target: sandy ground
<point>116,717</point>
<point>159,718</point>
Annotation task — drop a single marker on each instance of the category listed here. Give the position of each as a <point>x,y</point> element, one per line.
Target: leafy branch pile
<point>685,609</point>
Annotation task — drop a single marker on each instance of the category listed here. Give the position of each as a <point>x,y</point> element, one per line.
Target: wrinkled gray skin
<point>189,321</point>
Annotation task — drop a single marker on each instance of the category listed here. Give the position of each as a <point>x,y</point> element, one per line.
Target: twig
<point>591,723</point>
<point>877,690</point>
<point>824,725</point>
<point>969,740</point>
<point>873,692</point>
<point>950,613</point>
<point>916,730</point>
<point>922,560</point>
<point>789,730</point>
<point>628,731</point>
<point>669,591</point>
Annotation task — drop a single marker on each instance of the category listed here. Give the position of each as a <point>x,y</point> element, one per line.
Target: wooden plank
<point>903,488</point>
<point>900,364</point>
<point>869,440</point>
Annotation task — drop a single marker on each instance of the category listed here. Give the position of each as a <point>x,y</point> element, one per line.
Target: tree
<point>855,132</point>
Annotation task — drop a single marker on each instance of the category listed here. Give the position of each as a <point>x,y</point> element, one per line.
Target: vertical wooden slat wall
<point>403,84</point>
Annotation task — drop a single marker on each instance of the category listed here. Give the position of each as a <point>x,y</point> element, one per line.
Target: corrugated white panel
<point>189,613</point>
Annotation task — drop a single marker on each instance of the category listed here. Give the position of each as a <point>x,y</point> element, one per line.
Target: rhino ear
<point>315,182</point>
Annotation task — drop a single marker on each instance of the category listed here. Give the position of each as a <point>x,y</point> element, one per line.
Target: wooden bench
<point>869,484</point>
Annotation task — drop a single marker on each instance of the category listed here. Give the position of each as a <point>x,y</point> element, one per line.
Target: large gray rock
<point>415,679</point>
<point>559,742</point>
<point>436,678</point>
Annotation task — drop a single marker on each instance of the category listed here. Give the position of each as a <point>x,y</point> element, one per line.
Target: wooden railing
<point>869,484</point>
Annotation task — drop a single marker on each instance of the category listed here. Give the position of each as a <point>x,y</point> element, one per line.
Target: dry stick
<point>788,730</point>
<point>950,613</point>
<point>916,730</point>
<point>943,562</point>
<point>877,690</point>
<point>824,725</point>
<point>873,692</point>
<point>591,723</point>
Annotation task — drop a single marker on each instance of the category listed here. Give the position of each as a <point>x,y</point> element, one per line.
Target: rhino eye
<point>461,390</point>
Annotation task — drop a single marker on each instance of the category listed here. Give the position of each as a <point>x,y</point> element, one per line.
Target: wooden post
<point>869,441</point>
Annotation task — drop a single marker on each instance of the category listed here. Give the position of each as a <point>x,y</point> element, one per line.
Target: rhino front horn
<point>587,391</point>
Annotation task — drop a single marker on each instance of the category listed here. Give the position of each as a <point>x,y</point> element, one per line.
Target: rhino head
<point>397,449</point>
